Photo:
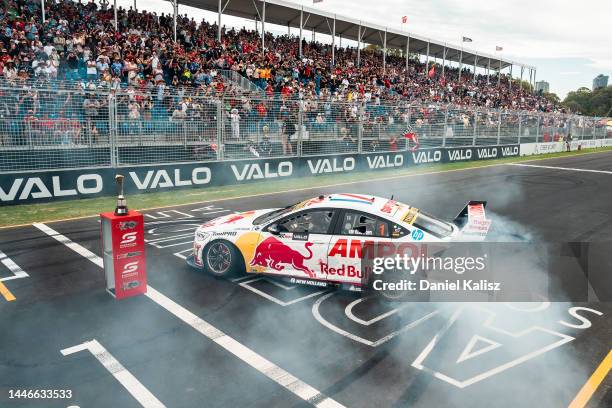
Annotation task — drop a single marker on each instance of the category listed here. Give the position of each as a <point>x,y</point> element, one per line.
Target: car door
<point>359,234</point>
<point>296,245</point>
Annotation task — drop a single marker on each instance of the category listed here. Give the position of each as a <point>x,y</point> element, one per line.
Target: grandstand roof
<point>285,13</point>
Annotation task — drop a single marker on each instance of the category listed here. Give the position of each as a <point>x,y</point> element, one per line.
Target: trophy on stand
<point>121,208</point>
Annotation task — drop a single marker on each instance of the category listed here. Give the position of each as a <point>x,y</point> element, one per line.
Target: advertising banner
<point>47,186</point>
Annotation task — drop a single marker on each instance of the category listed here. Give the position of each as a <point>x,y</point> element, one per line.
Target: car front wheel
<point>221,258</point>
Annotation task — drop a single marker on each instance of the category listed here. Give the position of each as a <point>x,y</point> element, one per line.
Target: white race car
<point>322,240</point>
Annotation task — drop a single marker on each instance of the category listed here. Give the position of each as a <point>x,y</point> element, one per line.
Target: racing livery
<point>324,239</point>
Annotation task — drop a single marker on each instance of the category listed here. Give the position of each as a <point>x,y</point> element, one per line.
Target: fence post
<point>360,131</point>
<point>112,130</point>
<point>475,126</point>
<point>499,128</point>
<point>220,128</point>
<point>538,129</point>
<point>300,127</point>
<point>445,126</point>
<point>520,122</point>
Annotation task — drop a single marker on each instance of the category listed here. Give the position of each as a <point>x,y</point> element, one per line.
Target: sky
<point>570,42</point>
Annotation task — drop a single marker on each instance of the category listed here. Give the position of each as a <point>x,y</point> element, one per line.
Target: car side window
<point>312,222</point>
<point>356,223</point>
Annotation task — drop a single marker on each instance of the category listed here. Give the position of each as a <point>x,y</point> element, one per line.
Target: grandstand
<point>88,85</point>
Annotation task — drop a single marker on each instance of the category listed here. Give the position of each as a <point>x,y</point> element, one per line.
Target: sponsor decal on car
<point>273,253</point>
<point>300,236</point>
<point>225,234</point>
<point>357,249</point>
<point>410,215</point>
<point>417,234</point>
<point>311,282</point>
<point>352,198</point>
<point>349,271</point>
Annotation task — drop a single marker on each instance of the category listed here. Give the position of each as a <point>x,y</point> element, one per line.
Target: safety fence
<point>91,127</point>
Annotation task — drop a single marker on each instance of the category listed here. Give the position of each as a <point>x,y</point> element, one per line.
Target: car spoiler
<point>462,218</point>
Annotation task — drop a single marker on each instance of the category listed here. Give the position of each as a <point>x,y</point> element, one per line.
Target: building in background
<point>542,86</point>
<point>600,81</point>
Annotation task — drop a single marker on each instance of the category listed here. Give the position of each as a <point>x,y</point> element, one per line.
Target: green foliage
<point>597,103</point>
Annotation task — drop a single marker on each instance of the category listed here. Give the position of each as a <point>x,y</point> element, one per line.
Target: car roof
<point>385,207</point>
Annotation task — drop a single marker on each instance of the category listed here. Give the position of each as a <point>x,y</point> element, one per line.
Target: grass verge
<point>28,213</point>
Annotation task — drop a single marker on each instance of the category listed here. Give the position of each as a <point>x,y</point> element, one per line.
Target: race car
<point>322,240</point>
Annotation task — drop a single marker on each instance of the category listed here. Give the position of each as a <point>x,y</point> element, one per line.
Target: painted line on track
<point>127,379</point>
<point>426,173</point>
<point>258,362</point>
<point>6,293</point>
<point>589,388</point>
<point>560,168</point>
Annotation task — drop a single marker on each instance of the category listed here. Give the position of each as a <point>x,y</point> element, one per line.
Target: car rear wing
<point>472,221</point>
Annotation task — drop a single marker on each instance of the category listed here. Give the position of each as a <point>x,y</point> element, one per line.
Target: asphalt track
<point>355,352</point>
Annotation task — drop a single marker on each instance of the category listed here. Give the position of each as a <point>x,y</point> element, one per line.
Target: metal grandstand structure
<point>292,15</point>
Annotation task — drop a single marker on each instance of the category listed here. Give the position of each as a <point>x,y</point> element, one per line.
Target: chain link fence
<point>65,128</point>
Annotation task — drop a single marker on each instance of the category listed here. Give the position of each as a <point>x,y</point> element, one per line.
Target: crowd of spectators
<point>162,80</point>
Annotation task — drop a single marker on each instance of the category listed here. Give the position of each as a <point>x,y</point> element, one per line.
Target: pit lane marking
<point>589,388</point>
<point>560,168</point>
<point>250,357</point>
<point>113,366</point>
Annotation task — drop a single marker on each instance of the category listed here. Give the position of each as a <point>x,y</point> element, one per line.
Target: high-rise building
<point>600,81</point>
<point>542,86</point>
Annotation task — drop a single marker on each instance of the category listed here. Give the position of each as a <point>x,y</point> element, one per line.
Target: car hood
<point>231,222</point>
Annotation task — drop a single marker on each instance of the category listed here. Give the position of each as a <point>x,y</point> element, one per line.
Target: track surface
<point>362,356</point>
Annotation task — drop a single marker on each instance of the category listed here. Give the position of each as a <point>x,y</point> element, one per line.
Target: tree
<point>552,97</point>
<point>596,103</point>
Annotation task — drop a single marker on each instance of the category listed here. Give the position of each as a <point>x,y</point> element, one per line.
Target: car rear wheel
<point>221,258</point>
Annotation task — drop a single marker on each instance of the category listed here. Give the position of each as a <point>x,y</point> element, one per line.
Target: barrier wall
<point>54,185</point>
<point>528,149</point>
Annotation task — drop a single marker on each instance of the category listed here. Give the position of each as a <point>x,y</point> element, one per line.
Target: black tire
<point>221,258</point>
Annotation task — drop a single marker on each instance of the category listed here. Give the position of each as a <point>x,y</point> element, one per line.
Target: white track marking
<point>560,168</point>
<point>261,364</point>
<point>275,299</point>
<point>348,311</point>
<point>179,254</point>
<point>79,249</point>
<point>317,315</point>
<point>17,272</point>
<point>264,366</point>
<point>418,362</point>
<point>164,214</point>
<point>468,352</point>
<point>127,379</point>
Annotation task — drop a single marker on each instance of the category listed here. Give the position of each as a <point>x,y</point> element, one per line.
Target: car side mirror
<point>273,229</point>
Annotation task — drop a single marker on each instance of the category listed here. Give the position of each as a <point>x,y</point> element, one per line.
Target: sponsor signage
<point>124,254</point>
<point>45,186</point>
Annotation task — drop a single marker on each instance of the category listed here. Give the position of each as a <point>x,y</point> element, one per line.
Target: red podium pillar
<point>124,254</point>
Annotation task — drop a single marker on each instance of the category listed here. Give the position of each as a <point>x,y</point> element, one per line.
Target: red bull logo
<point>273,253</point>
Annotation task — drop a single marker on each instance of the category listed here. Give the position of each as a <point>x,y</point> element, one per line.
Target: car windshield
<point>262,219</point>
<point>433,225</point>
